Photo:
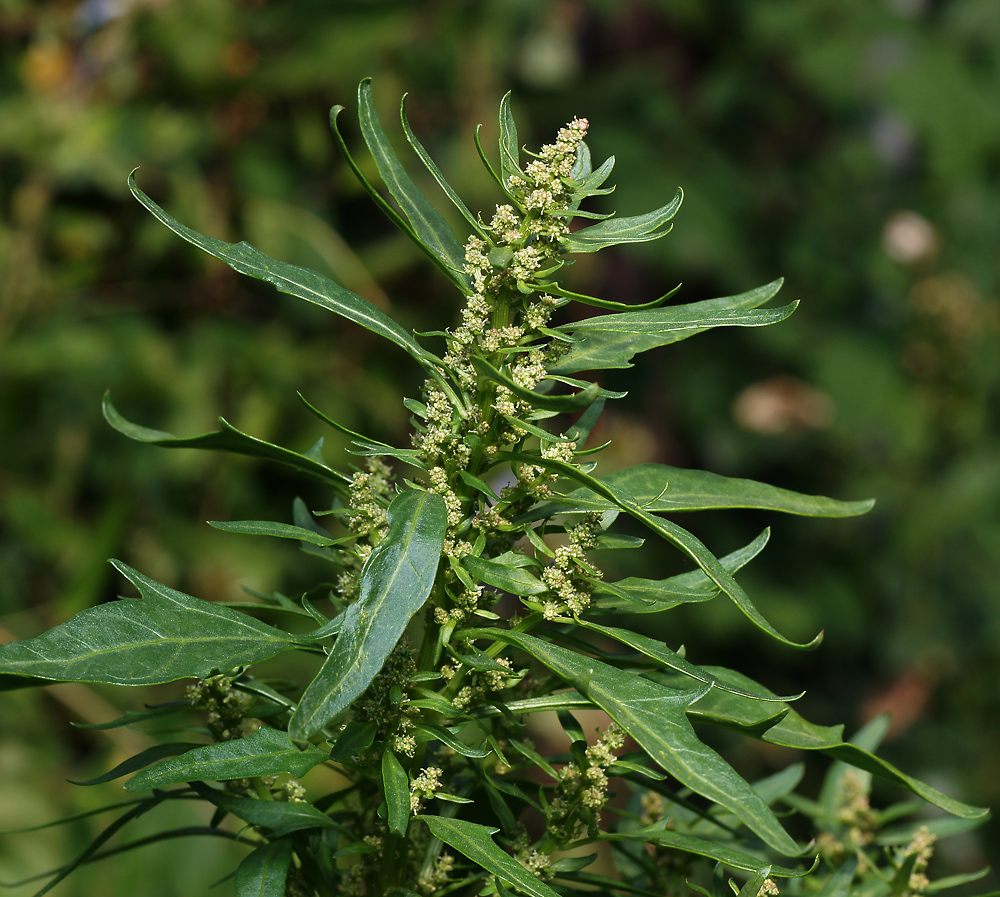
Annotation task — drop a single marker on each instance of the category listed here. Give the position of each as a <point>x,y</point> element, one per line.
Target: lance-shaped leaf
<point>656,717</point>
<point>726,709</point>
<point>476,842</point>
<point>396,788</point>
<point>265,871</point>
<point>300,282</point>
<point>676,535</point>
<point>228,439</point>
<point>673,661</point>
<point>714,850</point>
<point>426,224</point>
<point>573,402</point>
<point>661,488</point>
<point>602,346</point>
<point>266,752</point>
<point>508,577</point>
<point>165,636</point>
<point>646,596</point>
<point>270,528</point>
<point>510,165</point>
<point>432,167</point>
<point>615,231</point>
<point>395,581</point>
<point>280,817</point>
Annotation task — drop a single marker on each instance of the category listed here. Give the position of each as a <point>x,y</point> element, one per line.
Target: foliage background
<point>851,146</point>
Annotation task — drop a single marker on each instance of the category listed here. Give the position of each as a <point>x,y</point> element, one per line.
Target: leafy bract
<point>228,439</point>
<point>270,528</point>
<point>266,752</point>
<point>279,817</point>
<point>476,842</point>
<point>166,635</point>
<point>396,788</point>
<point>396,579</point>
<point>656,717</point>
<point>300,282</point>
<point>615,231</point>
<point>264,872</point>
<point>610,341</point>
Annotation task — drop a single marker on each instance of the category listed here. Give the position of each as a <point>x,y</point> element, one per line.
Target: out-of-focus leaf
<point>141,760</point>
<point>656,717</point>
<point>166,635</point>
<point>475,842</point>
<point>266,752</point>
<point>264,872</point>
<point>357,737</point>
<point>291,279</point>
<point>615,231</point>
<point>606,341</point>
<point>394,584</point>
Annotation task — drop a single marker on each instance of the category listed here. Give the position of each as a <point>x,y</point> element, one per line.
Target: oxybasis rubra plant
<point>465,598</point>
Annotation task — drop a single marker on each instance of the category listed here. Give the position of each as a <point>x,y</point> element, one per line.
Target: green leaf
<point>266,752</point>
<point>672,533</point>
<point>656,717</point>
<point>793,731</point>
<point>839,884</point>
<point>556,290</point>
<point>659,487</point>
<point>277,816</point>
<point>291,279</point>
<point>228,439</point>
<point>269,528</point>
<point>475,842</point>
<point>396,787</point>
<point>431,166</point>
<point>510,165</point>
<point>138,716</point>
<point>703,847</point>
<point>507,577</point>
<point>426,224</point>
<point>597,348</point>
<point>615,231</point>
<point>394,584</point>
<point>752,886</point>
<point>671,660</point>
<point>264,872</point>
<point>356,737</point>
<point>429,732</point>
<point>165,636</point>
<point>645,596</point>
<point>140,761</point>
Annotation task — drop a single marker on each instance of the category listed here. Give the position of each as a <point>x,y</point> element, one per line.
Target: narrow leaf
<point>264,872</point>
<point>598,348</point>
<point>264,753</point>
<point>508,578</point>
<point>291,279</point>
<point>277,816</point>
<point>395,581</point>
<point>427,226</point>
<point>228,439</point>
<point>432,167</point>
<point>615,231</point>
<point>659,487</point>
<point>165,636</point>
<point>140,761</point>
<point>396,787</point>
<point>510,165</point>
<point>656,717</point>
<point>475,842</point>
<point>539,400</point>
<point>270,528</point>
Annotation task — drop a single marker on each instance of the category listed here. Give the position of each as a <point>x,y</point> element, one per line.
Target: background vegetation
<point>851,146</point>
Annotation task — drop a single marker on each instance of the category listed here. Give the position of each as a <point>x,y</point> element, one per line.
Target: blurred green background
<point>851,146</point>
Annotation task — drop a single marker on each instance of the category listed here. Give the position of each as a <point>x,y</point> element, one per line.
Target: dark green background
<point>808,137</point>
